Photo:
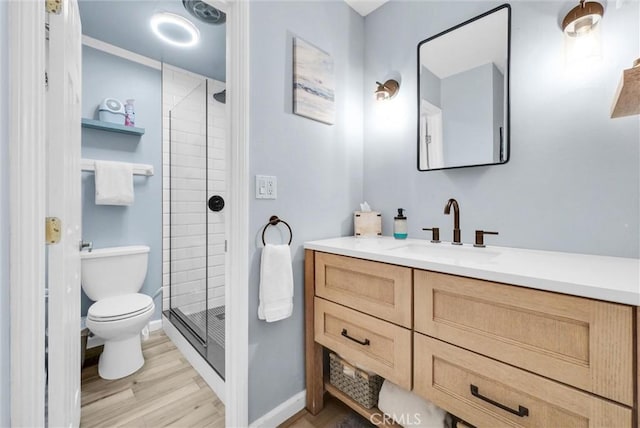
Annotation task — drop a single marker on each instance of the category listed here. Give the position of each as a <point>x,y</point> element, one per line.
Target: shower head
<point>204,12</point>
<point>221,96</point>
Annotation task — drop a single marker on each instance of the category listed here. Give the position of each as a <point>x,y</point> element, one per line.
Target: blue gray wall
<point>319,170</point>
<point>5,352</point>
<point>105,76</point>
<point>573,180</point>
<point>467,116</point>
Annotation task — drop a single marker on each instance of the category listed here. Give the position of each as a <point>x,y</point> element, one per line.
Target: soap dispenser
<point>400,225</point>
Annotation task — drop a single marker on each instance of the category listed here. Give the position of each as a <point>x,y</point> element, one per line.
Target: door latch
<point>54,6</point>
<point>53,228</point>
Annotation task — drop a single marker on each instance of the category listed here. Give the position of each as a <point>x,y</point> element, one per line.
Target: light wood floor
<point>332,413</point>
<point>167,391</point>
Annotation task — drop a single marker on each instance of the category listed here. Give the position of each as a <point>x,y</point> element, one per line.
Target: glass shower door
<point>197,188</point>
<point>189,212</point>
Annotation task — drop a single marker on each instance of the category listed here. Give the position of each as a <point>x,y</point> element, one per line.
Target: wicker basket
<point>357,384</point>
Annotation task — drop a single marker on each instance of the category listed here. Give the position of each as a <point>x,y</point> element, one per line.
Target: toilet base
<point>120,357</point>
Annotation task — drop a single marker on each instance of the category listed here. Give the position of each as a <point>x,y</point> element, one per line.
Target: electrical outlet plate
<point>266,187</point>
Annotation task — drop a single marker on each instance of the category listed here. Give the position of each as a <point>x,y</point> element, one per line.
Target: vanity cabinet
<point>490,353</point>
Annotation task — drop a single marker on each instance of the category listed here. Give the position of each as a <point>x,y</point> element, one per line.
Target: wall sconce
<point>627,99</point>
<point>582,33</point>
<point>387,90</point>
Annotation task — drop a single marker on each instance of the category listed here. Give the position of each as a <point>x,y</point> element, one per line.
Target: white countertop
<point>614,279</point>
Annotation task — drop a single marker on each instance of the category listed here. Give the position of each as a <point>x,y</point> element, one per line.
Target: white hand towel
<point>408,409</point>
<point>114,183</point>
<point>276,283</point>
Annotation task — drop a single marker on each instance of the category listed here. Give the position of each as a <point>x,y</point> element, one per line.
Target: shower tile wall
<point>188,229</point>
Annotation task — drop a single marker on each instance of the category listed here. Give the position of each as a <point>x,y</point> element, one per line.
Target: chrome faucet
<point>456,220</point>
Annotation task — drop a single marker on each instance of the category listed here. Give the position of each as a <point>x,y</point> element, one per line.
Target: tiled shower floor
<point>216,323</point>
<point>188,324</point>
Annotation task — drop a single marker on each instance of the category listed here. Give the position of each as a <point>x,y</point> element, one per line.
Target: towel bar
<point>274,220</point>
<point>138,168</point>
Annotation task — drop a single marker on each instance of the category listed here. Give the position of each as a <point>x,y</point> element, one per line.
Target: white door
<point>64,69</point>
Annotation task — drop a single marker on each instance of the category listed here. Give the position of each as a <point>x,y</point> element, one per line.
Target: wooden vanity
<point>491,353</point>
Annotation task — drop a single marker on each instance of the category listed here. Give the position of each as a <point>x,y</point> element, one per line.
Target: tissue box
<point>367,223</point>
<point>357,384</point>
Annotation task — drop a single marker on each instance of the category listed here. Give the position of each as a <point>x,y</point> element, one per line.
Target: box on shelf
<point>356,383</point>
<point>367,223</point>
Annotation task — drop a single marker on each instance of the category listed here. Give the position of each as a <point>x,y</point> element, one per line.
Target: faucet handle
<point>480,237</point>
<point>435,234</point>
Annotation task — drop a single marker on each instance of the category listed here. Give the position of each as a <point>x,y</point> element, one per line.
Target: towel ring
<point>274,220</point>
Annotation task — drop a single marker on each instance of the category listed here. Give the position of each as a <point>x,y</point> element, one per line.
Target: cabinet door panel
<point>504,395</point>
<point>378,289</point>
<point>582,342</point>
<point>366,341</point>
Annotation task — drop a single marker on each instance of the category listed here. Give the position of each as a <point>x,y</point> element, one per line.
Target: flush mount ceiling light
<point>582,19</point>
<point>175,29</point>
<point>387,90</point>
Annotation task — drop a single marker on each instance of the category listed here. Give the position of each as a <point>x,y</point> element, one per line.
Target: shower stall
<point>195,188</point>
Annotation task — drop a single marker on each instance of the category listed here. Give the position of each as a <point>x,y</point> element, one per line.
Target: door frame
<point>27,196</point>
<point>27,151</point>
<point>237,275</point>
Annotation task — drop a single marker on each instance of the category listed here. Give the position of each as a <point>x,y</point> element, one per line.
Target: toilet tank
<point>114,271</point>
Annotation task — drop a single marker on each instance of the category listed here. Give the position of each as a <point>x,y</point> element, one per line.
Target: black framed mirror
<point>463,94</point>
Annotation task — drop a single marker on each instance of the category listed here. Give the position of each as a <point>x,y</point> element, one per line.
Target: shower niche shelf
<point>112,127</point>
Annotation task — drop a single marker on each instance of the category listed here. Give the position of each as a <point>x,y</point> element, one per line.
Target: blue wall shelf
<point>111,127</point>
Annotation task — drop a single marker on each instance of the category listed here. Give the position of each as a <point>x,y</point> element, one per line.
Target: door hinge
<point>225,245</point>
<point>52,227</point>
<point>54,6</point>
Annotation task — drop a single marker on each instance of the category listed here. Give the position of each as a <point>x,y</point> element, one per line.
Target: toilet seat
<point>120,307</point>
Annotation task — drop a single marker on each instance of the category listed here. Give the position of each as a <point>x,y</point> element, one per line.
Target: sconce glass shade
<point>387,90</point>
<point>582,40</point>
<point>582,19</point>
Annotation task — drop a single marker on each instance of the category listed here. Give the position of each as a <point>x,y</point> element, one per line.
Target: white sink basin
<point>445,251</point>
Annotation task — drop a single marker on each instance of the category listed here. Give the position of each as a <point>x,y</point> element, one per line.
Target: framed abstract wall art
<point>313,82</point>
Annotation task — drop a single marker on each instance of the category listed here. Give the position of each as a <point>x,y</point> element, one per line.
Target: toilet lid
<point>119,307</point>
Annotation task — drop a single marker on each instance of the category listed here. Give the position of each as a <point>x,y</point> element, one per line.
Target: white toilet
<point>112,278</point>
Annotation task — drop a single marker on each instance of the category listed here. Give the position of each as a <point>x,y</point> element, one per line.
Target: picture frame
<point>313,82</point>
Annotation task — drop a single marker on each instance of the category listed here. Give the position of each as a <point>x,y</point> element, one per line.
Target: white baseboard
<point>281,413</point>
<point>215,382</point>
<point>155,325</point>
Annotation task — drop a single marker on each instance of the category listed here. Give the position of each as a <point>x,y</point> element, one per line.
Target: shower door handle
<point>216,203</point>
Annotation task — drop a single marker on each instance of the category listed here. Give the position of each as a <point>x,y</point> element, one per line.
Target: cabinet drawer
<point>366,341</point>
<point>582,342</point>
<point>379,289</point>
<point>446,374</point>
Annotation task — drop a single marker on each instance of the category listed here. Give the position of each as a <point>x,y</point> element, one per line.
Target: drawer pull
<point>361,342</point>
<point>522,411</point>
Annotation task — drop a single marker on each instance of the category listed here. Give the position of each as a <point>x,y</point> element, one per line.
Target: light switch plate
<point>266,187</point>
